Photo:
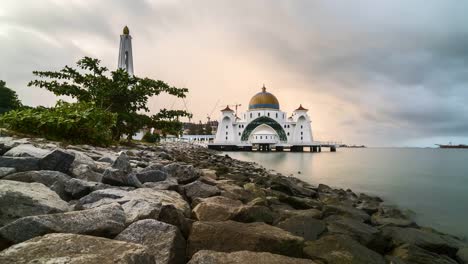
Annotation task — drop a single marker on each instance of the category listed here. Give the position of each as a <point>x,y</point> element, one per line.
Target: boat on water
<point>459,146</point>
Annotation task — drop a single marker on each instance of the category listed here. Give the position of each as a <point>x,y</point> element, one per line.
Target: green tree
<point>208,129</point>
<point>117,92</point>
<point>8,99</point>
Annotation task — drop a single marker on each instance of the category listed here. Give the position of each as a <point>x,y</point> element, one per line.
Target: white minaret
<point>125,52</point>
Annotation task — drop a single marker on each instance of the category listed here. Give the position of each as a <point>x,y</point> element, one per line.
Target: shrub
<point>151,138</point>
<point>73,122</point>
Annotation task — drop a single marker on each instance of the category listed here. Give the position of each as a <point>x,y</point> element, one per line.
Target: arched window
<point>301,138</point>
<point>227,127</point>
<point>302,133</point>
<point>239,133</point>
<point>226,138</point>
<point>258,114</point>
<point>276,115</point>
<point>268,114</point>
<point>260,137</point>
<point>288,126</point>
<point>250,115</point>
<point>226,132</point>
<point>288,133</point>
<point>301,126</point>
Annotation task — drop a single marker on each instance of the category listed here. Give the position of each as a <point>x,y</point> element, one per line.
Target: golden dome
<point>126,31</point>
<point>263,100</point>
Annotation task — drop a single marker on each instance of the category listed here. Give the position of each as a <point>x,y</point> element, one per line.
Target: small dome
<point>263,100</point>
<point>126,31</point>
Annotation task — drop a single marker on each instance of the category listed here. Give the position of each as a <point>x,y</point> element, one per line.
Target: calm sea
<point>431,183</point>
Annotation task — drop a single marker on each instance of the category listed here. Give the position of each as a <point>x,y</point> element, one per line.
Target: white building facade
<point>264,126</point>
<point>125,52</point>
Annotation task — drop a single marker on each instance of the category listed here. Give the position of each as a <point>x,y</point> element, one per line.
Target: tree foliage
<point>8,99</point>
<point>117,92</point>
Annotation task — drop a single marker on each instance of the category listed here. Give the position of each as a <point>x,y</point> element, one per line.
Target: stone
<point>391,216</point>
<point>57,160</point>
<point>216,208</point>
<point>77,249</point>
<point>139,209</point>
<point>171,215</point>
<point>119,177</point>
<point>209,173</point>
<point>291,186</point>
<point>183,173</point>
<point>55,180</point>
<point>435,242</point>
<point>254,189</point>
<point>106,159</point>
<point>244,257</point>
<point>198,189</point>
<point>301,203</point>
<point>345,210</point>
<point>229,236</point>
<point>415,255</point>
<point>20,199</point>
<point>106,221</point>
<point>20,163</point>
<point>26,150</point>
<point>341,249</point>
<point>169,183</point>
<point>462,255</point>
<point>235,192</point>
<point>122,163</point>
<point>151,176</point>
<point>323,188</point>
<point>4,171</point>
<point>308,213</point>
<point>304,226</point>
<point>81,159</point>
<point>361,232</point>
<point>248,214</point>
<point>164,241</point>
<point>84,172</point>
<point>76,188</point>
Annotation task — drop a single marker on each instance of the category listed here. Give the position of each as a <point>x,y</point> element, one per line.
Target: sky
<point>379,73</point>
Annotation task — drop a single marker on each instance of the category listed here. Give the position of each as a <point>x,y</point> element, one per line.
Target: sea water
<point>431,184</point>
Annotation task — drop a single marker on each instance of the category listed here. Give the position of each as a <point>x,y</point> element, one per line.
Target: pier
<point>316,147</point>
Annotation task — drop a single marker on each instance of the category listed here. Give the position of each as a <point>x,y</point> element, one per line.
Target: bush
<point>151,138</point>
<point>73,122</point>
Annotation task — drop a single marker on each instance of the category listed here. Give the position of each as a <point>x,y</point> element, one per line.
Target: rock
<point>81,159</point>
<point>118,177</point>
<point>291,186</point>
<point>305,226</point>
<point>415,255</point>
<point>259,201</point>
<point>347,211</point>
<point>26,150</point>
<point>435,242</point>
<point>183,173</point>
<point>171,215</point>
<point>76,188</point>
<point>106,221</point>
<point>390,215</point>
<point>245,257</point>
<point>209,173</point>
<point>4,171</point>
<point>164,241</point>
<point>19,199</point>
<point>301,203</point>
<point>169,183</point>
<point>84,172</point>
<point>151,176</point>
<point>254,189</point>
<point>20,163</point>
<point>139,209</point>
<point>72,248</point>
<point>341,249</point>
<point>55,180</point>
<point>248,214</point>
<point>229,236</point>
<point>323,188</point>
<point>198,189</point>
<point>57,160</point>
<point>235,192</point>
<point>462,255</point>
<point>363,233</point>
<point>217,208</point>
<point>122,163</point>
<point>106,159</point>
<point>309,213</point>
<point>369,204</point>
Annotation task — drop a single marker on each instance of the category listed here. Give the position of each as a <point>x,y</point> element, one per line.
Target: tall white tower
<point>125,52</point>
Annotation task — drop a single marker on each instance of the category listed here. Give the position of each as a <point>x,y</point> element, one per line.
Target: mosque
<point>265,127</point>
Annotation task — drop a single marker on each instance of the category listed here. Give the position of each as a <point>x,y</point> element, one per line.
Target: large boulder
<point>429,240</point>
<point>198,189</point>
<point>20,163</point>
<point>120,174</point>
<point>55,180</point>
<point>138,209</point>
<point>26,150</point>
<point>76,188</point>
<point>4,171</point>
<point>183,173</point>
<point>77,249</point>
<point>347,211</point>
<point>416,255</point>
<point>462,255</point>
<point>170,183</point>
<point>164,241</point>
<point>244,257</point>
<point>20,199</point>
<point>151,176</point>
<point>341,249</point>
<point>57,160</point>
<point>255,213</point>
<point>291,186</point>
<point>85,172</point>
<point>391,216</point>
<point>363,233</point>
<point>217,208</point>
<point>305,226</point>
<point>106,221</point>
<point>229,236</point>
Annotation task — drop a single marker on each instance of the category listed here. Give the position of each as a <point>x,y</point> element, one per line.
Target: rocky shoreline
<point>179,203</point>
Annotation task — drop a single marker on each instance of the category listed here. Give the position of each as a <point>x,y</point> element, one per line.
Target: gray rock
<point>435,242</point>
<point>20,163</point>
<point>76,188</point>
<point>19,199</point>
<point>171,215</point>
<point>304,226</point>
<point>216,208</point>
<point>341,249</point>
<point>245,257</point>
<point>139,209</point>
<point>57,160</point>
<point>183,173</point>
<point>26,150</point>
<point>347,211</point>
<point>151,176</point>
<point>77,249</point>
<point>122,163</point>
<point>198,189</point>
<point>119,177</point>
<point>55,180</point>
<point>291,186</point>
<point>106,159</point>
<point>229,236</point>
<point>363,233</point>
<point>462,255</point>
<point>84,172</point>
<point>169,183</point>
<point>4,171</point>
<point>248,214</point>
<point>81,159</point>
<point>164,241</point>
<point>415,255</point>
<point>106,221</point>
<point>308,213</point>
<point>301,203</point>
<point>391,216</point>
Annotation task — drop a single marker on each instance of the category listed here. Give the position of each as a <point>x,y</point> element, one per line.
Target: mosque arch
<point>263,120</point>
